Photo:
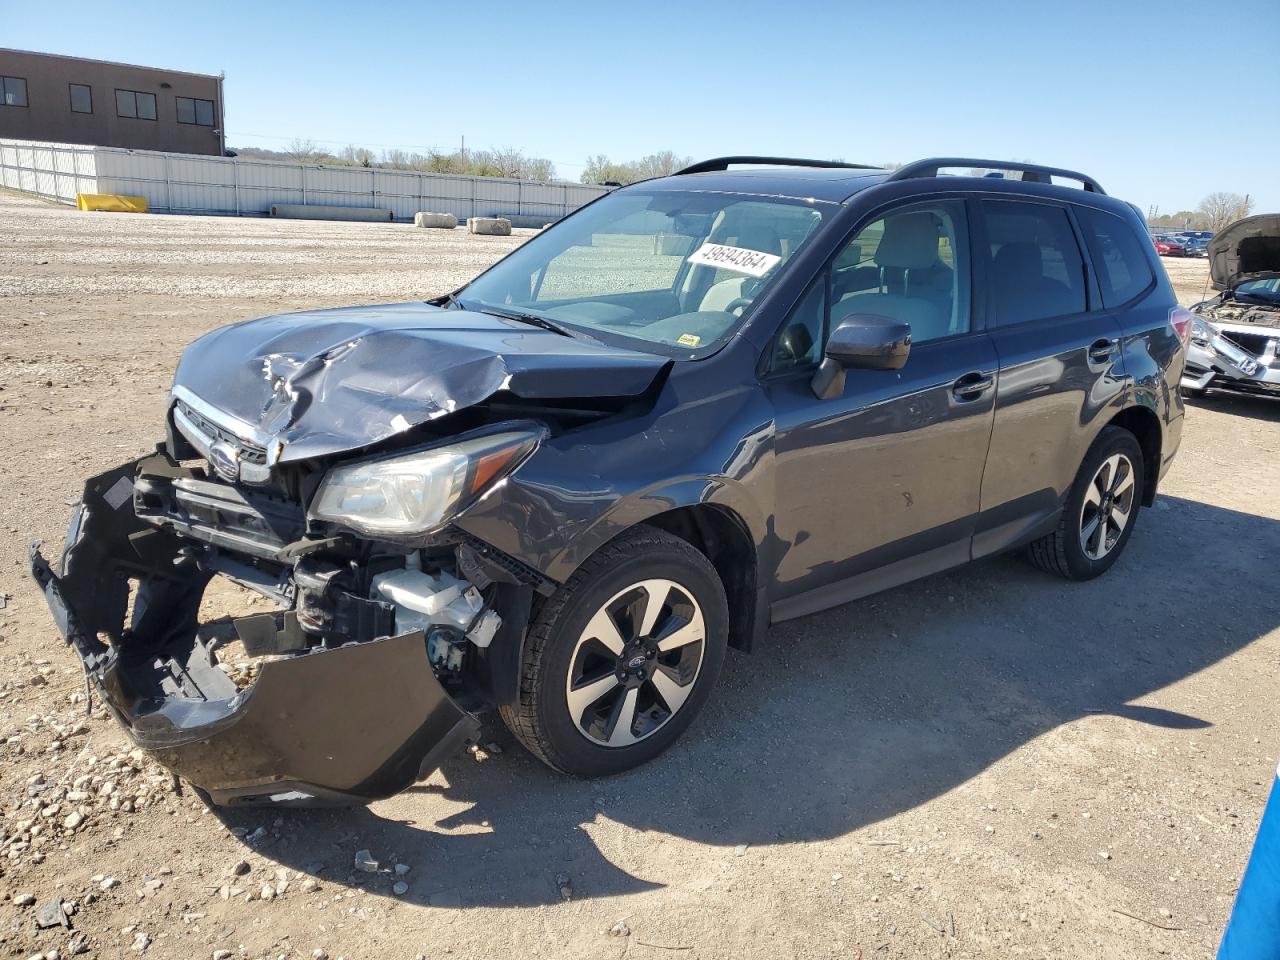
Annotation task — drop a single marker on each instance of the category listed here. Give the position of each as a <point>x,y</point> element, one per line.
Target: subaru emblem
<point>224,459</point>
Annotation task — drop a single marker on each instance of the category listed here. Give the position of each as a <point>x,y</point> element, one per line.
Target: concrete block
<point>532,220</point>
<point>316,211</point>
<point>490,226</point>
<point>442,221</point>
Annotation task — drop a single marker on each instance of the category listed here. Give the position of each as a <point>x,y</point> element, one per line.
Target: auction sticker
<point>738,259</point>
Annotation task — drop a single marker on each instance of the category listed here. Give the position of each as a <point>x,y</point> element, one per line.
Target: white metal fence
<point>184,183</point>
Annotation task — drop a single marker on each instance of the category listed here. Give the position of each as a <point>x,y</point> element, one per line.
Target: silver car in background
<point>1235,337</point>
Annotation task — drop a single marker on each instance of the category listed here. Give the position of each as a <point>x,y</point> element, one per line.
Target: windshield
<point>1263,291</point>
<point>675,269</point>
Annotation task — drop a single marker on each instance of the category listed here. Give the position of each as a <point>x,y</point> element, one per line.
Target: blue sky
<point>1132,93</point>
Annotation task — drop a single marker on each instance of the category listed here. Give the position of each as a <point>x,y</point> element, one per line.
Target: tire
<point>1067,551</point>
<point>571,654</point>
<point>1194,393</point>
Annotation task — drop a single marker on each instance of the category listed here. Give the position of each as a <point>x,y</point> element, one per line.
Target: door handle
<point>1101,351</point>
<point>972,385</point>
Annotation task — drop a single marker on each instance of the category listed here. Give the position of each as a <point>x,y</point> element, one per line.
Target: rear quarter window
<point>1119,256</point>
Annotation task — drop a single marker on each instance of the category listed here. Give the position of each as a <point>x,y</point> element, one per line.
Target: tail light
<point>1180,319</point>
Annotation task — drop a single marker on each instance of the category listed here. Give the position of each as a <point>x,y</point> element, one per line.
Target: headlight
<point>414,492</point>
<point>1201,331</point>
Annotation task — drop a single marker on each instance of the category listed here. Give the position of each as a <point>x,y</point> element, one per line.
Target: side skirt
<point>873,581</point>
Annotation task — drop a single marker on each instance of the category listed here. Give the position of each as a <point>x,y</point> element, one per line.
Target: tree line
<point>492,162</point>
<point>1214,212</point>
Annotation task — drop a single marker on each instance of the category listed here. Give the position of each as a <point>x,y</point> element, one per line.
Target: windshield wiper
<point>530,318</point>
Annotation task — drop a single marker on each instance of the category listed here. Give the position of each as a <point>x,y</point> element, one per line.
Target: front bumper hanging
<point>1223,363</point>
<point>337,724</point>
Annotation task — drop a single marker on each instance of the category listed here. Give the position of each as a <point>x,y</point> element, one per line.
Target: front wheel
<point>619,661</point>
<point>1101,510</point>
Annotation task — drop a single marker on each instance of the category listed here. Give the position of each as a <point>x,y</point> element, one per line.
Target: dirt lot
<point>990,763</point>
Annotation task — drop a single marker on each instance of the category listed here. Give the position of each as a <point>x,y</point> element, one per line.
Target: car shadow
<point>1257,407</point>
<point>841,720</point>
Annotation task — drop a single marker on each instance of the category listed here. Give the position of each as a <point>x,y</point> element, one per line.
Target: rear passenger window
<point>1119,256</point>
<point>1034,267</point>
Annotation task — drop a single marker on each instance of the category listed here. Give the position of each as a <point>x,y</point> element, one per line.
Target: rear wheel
<point>1101,510</point>
<point>620,660</point>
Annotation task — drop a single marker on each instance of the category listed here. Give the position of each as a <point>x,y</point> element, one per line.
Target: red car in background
<point>1170,246</point>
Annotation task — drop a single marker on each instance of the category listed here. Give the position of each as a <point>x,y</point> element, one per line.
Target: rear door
<point>1061,375</point>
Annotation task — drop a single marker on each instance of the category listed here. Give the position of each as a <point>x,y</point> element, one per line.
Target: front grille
<point>248,452</point>
<point>1255,343</point>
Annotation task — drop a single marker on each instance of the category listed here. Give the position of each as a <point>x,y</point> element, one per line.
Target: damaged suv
<point>697,406</point>
<point>1235,337</point>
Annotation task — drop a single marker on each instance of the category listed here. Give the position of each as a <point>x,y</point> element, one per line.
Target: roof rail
<point>1031,172</point>
<point>723,163</point>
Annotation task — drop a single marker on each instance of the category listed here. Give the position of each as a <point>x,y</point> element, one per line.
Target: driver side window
<point>911,265</point>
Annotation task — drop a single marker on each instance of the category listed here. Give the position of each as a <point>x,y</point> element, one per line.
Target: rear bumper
<point>338,724</point>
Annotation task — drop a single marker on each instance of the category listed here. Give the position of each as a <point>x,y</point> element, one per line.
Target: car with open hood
<point>1235,337</point>
<point>698,406</point>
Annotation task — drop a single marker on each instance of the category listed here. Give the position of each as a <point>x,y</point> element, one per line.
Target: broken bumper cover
<point>1222,363</point>
<point>334,725</point>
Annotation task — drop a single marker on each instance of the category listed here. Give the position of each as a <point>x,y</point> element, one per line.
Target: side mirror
<point>864,341</point>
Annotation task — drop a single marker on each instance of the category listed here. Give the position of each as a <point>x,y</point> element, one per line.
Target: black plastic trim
<point>718,164</point>
<point>930,168</point>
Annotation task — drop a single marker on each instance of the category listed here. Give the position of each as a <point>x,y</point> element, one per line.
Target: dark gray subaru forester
<point>698,406</point>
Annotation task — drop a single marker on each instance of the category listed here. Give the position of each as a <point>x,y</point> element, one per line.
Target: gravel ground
<point>989,763</point>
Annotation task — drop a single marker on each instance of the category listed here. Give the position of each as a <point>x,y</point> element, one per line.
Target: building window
<point>81,98</point>
<point>13,92</point>
<point>199,112</point>
<point>131,103</point>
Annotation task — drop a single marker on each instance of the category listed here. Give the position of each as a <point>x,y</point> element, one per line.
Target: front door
<point>881,483</point>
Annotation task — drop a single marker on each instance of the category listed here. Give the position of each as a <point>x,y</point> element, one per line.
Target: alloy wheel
<point>635,663</point>
<point>1108,506</point>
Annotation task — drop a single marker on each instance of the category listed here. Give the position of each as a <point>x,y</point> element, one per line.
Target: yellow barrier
<point>117,203</point>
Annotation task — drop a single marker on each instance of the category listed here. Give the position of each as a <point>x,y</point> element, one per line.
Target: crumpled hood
<point>328,381</point>
<point>1248,249</point>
